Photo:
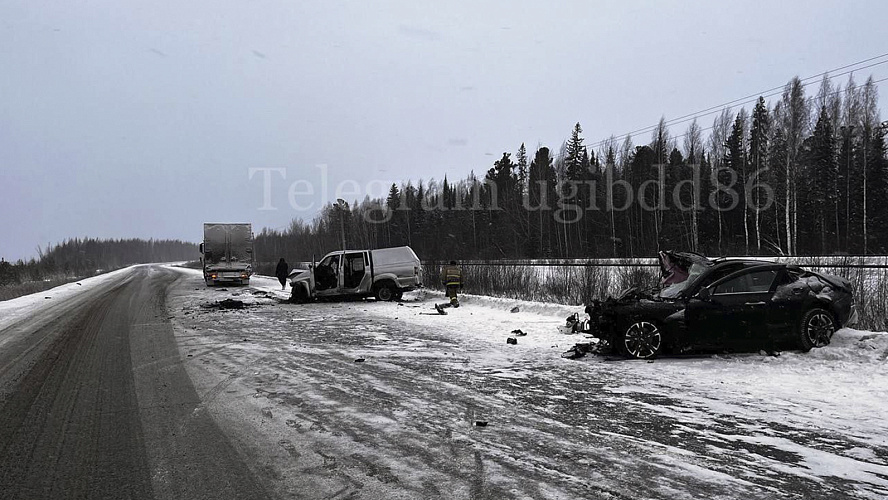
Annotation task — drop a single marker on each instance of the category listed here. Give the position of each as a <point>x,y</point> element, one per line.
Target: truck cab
<point>384,273</point>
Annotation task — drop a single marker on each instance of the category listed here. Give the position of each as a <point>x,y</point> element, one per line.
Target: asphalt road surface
<point>95,403</point>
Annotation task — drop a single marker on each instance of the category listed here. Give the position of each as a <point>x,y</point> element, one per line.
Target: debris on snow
<point>573,324</point>
<point>577,351</point>
<point>231,304</point>
<point>518,333</point>
<point>512,341</point>
<point>516,309</point>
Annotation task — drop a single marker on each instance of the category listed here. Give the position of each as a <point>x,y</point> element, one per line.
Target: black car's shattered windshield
<point>673,290</point>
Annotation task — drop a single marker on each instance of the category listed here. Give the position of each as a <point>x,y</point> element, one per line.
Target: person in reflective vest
<point>451,278</point>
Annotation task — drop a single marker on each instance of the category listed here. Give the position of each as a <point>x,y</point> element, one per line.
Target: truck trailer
<point>227,253</point>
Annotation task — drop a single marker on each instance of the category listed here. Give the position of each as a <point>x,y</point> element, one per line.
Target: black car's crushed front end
<point>610,318</point>
<point>604,315</point>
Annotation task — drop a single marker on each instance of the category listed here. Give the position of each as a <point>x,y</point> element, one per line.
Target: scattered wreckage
<point>719,304</point>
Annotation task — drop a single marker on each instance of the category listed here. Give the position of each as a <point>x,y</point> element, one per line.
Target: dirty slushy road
<point>144,389</point>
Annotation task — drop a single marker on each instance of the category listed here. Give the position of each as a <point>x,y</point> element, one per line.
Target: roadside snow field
<point>391,400</point>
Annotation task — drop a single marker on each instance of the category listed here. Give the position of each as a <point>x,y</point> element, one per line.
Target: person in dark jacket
<point>282,270</point>
<point>451,278</point>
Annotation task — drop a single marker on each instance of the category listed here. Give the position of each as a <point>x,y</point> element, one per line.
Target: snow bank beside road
<point>713,426</point>
<point>14,309</point>
<point>479,318</point>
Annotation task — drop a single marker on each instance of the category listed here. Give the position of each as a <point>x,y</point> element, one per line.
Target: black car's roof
<point>754,262</point>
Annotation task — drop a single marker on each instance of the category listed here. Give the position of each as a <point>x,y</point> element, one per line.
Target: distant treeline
<point>83,257</point>
<point>802,175</point>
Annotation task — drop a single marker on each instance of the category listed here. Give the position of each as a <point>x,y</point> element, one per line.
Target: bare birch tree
<point>693,149</point>
<point>795,123</point>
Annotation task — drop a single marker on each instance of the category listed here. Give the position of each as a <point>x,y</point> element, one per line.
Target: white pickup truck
<point>385,273</point>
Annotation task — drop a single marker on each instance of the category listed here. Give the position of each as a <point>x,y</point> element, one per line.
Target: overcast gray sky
<point>143,118</point>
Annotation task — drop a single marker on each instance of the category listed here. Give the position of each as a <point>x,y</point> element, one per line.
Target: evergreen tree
<point>819,187</point>
<point>758,151</point>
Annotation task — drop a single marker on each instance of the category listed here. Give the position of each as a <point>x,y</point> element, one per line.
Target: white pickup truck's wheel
<point>385,291</point>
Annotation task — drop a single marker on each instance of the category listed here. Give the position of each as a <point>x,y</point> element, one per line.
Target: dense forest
<point>84,257</point>
<point>802,175</point>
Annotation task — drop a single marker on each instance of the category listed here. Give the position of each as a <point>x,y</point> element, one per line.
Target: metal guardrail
<point>634,264</point>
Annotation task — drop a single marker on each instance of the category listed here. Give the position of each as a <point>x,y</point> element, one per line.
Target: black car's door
<point>735,314</point>
<point>705,324</point>
<point>752,307</point>
<point>791,299</point>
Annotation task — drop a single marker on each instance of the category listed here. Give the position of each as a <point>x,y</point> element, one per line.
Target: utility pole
<point>342,207</point>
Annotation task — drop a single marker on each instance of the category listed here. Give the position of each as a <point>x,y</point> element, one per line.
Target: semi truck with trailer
<point>227,253</point>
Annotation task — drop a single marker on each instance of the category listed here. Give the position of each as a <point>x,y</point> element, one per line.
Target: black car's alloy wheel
<point>818,327</point>
<point>642,340</point>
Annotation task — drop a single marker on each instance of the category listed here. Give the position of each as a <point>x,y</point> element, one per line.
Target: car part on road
<point>512,341</point>
<point>573,324</point>
<point>577,351</point>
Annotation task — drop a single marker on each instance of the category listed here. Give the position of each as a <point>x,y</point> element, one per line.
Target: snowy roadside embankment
<point>15,309</point>
<point>363,389</point>
<point>481,318</point>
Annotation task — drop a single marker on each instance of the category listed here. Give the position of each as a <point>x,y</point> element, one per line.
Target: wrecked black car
<point>724,304</point>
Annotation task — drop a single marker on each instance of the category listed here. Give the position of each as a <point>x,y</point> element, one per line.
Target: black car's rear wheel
<point>642,340</point>
<point>816,329</point>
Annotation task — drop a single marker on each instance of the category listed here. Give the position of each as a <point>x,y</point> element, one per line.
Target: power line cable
<point>809,99</point>
<point>714,109</point>
<point>773,92</point>
<point>604,141</point>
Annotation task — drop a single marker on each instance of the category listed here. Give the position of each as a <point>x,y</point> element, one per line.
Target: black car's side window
<point>754,282</point>
<point>718,274</point>
<point>760,281</point>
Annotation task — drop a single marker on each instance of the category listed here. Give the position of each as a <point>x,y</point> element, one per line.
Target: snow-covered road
<point>284,381</point>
